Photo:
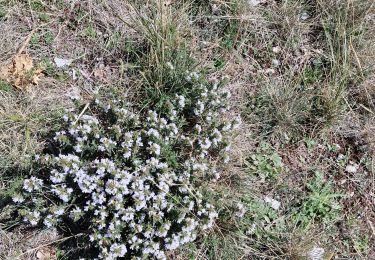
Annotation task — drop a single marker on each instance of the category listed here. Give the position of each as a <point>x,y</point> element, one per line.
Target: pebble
<point>274,203</point>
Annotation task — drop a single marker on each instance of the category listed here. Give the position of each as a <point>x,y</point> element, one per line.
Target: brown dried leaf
<point>101,73</point>
<point>36,76</point>
<point>20,72</point>
<point>22,63</point>
<point>3,73</point>
<point>45,254</point>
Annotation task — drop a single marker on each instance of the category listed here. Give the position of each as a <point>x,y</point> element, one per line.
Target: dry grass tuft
<point>27,245</point>
<point>24,118</point>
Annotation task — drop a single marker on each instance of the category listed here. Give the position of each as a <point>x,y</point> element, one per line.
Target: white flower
<point>74,96</point>
<point>251,230</point>
<point>17,198</point>
<point>138,142</point>
<point>152,116</point>
<point>77,148</point>
<point>198,128</point>
<point>276,49</point>
<point>153,132</point>
<point>237,122</point>
<point>216,136</point>
<point>59,211</point>
<point>240,210</point>
<point>180,101</point>
<point>154,148</point>
<point>199,109</point>
<point>118,250</point>
<point>47,221</point>
<point>34,218</point>
<point>206,144</point>
<point>32,184</point>
<point>170,65</point>
<point>34,222</point>
<point>127,154</point>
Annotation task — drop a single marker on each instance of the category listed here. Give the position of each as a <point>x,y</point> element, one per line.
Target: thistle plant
<point>133,180</point>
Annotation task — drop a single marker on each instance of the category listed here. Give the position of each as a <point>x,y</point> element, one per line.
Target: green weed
<point>113,41</point>
<point>44,17</point>
<point>265,164</point>
<point>6,87</point>
<point>321,203</point>
<point>262,222</point>
<point>36,5</point>
<point>3,12</point>
<point>361,245</point>
<point>313,73</point>
<point>310,143</point>
<point>34,41</point>
<point>48,67</point>
<point>89,32</point>
<point>48,37</point>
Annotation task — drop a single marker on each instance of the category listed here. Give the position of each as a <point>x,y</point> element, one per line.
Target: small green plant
<point>114,41</point>
<point>321,203</point>
<point>261,221</point>
<point>34,40</point>
<point>3,12</point>
<point>48,37</point>
<point>313,73</point>
<point>310,143</point>
<point>361,245</point>
<point>36,5</point>
<point>266,164</point>
<point>44,17</point>
<point>333,148</point>
<point>89,32</point>
<point>48,67</point>
<point>6,87</point>
<point>220,63</point>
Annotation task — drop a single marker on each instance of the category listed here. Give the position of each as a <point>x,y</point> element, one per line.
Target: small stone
<point>74,74</point>
<point>350,168</point>
<point>304,16</point>
<point>276,49</point>
<point>254,2</point>
<point>316,253</point>
<point>269,71</point>
<point>62,63</point>
<point>275,63</point>
<point>43,255</point>
<point>274,203</point>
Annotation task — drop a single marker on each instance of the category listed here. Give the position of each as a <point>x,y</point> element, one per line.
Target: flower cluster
<point>134,180</point>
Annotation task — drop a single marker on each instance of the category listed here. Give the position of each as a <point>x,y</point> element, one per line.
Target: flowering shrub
<point>134,181</point>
